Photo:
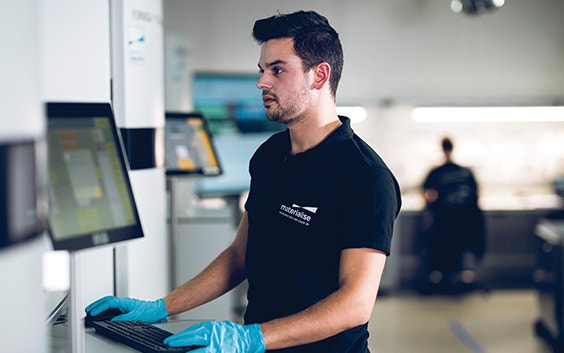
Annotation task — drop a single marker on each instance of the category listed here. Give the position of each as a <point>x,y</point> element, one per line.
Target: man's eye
<point>277,70</point>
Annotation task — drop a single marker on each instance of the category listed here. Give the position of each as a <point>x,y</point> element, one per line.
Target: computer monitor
<point>189,146</point>
<point>231,102</point>
<point>20,214</point>
<point>91,202</point>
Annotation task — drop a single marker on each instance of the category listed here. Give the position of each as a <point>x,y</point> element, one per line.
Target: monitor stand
<point>120,261</point>
<point>172,183</point>
<point>189,205</point>
<point>75,311</point>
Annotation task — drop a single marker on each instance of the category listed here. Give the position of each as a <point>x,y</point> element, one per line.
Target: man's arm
<point>351,305</point>
<point>430,195</point>
<point>220,276</point>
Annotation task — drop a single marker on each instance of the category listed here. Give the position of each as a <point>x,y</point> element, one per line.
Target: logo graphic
<point>297,213</point>
<point>136,43</point>
<point>310,209</point>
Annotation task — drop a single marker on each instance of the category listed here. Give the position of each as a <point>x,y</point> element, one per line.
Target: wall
<point>21,323</point>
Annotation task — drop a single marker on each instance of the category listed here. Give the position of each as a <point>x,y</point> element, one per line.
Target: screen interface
<point>89,190</point>
<point>189,146</point>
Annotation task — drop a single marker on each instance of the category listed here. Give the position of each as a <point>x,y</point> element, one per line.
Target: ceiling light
<point>357,114</point>
<point>487,114</point>
<point>475,7</point>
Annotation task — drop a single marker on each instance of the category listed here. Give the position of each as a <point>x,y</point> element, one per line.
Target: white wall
<point>75,39</point>
<point>21,323</point>
<point>177,76</point>
<point>20,85</point>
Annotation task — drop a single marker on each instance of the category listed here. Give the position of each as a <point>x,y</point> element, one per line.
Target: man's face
<point>284,84</point>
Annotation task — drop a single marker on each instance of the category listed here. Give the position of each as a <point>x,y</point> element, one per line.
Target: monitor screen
<point>91,202</point>
<point>189,146</point>
<point>231,102</point>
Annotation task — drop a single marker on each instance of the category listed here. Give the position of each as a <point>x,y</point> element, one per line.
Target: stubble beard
<point>289,114</point>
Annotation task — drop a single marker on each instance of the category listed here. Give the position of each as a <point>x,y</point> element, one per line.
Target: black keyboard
<point>141,336</point>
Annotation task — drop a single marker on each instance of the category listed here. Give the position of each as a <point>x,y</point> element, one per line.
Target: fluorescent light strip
<point>487,114</point>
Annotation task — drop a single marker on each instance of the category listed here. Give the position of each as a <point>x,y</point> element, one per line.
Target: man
<point>453,225</point>
<point>318,222</point>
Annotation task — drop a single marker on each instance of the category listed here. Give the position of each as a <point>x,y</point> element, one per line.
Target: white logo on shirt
<point>310,209</point>
<point>298,213</point>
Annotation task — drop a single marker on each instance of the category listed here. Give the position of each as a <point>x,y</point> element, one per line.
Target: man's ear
<point>322,72</point>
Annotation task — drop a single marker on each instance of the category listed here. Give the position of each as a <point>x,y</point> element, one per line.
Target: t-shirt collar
<point>342,133</point>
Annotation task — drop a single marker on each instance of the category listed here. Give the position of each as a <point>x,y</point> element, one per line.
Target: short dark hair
<point>315,41</point>
<point>447,144</point>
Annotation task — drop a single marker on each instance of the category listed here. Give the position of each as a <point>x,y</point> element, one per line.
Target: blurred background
<point>487,73</point>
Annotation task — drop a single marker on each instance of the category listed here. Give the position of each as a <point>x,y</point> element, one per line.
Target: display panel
<point>231,102</point>
<point>189,146</point>
<point>91,202</point>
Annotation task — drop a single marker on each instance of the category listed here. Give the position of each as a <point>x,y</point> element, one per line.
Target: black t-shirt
<point>456,223</point>
<point>303,211</point>
<point>455,185</point>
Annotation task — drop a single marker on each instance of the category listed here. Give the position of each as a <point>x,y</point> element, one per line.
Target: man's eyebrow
<point>273,63</point>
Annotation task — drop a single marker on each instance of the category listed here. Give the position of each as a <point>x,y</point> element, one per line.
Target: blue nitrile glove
<point>133,309</point>
<point>225,337</point>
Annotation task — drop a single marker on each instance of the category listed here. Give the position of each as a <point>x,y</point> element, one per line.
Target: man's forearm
<point>220,276</point>
<point>215,280</point>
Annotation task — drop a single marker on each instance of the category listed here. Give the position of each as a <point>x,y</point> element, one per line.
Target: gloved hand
<point>226,337</point>
<point>133,309</point>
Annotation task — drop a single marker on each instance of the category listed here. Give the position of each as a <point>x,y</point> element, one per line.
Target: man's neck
<point>308,133</point>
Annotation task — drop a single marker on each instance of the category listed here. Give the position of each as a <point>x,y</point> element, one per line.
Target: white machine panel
<point>138,102</point>
<point>138,63</point>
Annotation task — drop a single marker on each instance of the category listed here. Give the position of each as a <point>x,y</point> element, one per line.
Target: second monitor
<point>189,146</point>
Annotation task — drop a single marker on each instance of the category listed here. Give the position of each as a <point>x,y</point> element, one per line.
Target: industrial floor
<point>498,321</point>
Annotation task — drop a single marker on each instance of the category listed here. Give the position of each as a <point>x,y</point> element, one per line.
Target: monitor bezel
<point>179,116</point>
<point>75,110</point>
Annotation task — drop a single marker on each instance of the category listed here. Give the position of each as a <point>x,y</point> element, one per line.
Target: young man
<point>318,222</point>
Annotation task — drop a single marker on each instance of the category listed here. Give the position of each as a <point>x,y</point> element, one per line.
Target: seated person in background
<point>318,221</point>
<point>453,225</point>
